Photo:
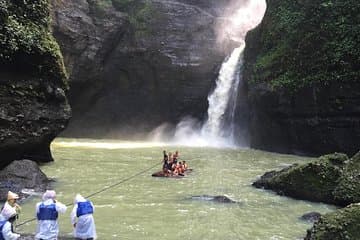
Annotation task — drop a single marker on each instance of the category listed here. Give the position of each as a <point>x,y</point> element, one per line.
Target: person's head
<point>49,194</point>
<point>12,197</point>
<point>164,152</point>
<point>79,198</point>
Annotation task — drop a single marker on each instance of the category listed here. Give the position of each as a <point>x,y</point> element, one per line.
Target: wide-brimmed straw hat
<point>11,195</point>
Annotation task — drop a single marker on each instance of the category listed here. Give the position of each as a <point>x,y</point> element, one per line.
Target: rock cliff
<point>136,64</point>
<point>303,77</point>
<point>33,105</point>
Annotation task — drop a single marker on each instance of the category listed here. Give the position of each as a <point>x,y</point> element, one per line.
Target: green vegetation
<point>124,5</point>
<point>141,14</point>
<point>143,17</point>
<point>100,6</point>
<point>342,224</point>
<point>301,43</point>
<point>26,43</point>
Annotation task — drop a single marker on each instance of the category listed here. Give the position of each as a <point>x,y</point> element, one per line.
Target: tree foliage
<point>306,42</point>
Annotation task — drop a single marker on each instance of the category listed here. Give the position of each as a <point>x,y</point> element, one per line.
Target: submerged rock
<point>31,237</point>
<point>311,217</point>
<point>333,179</point>
<point>343,224</point>
<point>217,199</point>
<point>22,174</point>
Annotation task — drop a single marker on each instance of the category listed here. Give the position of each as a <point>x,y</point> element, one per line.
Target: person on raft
<point>172,166</point>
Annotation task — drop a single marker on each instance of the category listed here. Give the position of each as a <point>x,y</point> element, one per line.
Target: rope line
<point>102,190</point>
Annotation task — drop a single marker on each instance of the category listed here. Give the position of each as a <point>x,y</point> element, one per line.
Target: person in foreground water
<point>8,217</point>
<point>47,215</point>
<point>82,219</point>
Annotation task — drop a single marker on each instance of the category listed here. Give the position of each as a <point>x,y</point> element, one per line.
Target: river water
<point>158,208</point>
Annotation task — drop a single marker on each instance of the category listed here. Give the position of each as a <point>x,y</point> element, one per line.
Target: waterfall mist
<point>238,19</point>
<point>218,129</point>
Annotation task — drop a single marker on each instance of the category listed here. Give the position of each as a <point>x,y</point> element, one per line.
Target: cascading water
<point>218,130</point>
<point>222,102</point>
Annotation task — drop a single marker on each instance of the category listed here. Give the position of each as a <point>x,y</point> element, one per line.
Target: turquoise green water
<point>158,208</point>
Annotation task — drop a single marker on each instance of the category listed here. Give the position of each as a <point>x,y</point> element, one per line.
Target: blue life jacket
<point>47,212</point>
<point>84,208</point>
<point>2,223</point>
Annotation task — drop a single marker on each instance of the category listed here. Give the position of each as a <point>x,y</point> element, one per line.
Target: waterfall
<point>219,128</point>
<point>222,101</point>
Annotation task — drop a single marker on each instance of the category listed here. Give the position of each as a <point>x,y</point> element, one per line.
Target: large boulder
<point>333,179</point>
<point>339,225</point>
<point>303,78</point>
<point>22,174</point>
<point>33,105</point>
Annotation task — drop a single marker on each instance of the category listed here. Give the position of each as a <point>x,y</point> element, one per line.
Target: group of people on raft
<point>172,166</point>
<point>47,214</point>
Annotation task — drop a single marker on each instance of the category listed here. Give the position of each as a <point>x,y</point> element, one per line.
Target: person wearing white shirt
<point>8,217</point>
<point>47,215</point>
<point>82,219</point>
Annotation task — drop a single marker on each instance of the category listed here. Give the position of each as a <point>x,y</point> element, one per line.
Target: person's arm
<point>37,209</point>
<point>17,208</point>
<point>93,207</point>
<point>7,233</point>
<point>73,215</point>
<point>61,208</point>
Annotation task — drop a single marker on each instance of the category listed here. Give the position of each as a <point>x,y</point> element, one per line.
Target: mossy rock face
<point>343,224</point>
<point>302,71</point>
<point>33,104</point>
<point>307,42</point>
<point>333,179</point>
<point>348,189</point>
<point>26,43</point>
<point>335,158</point>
